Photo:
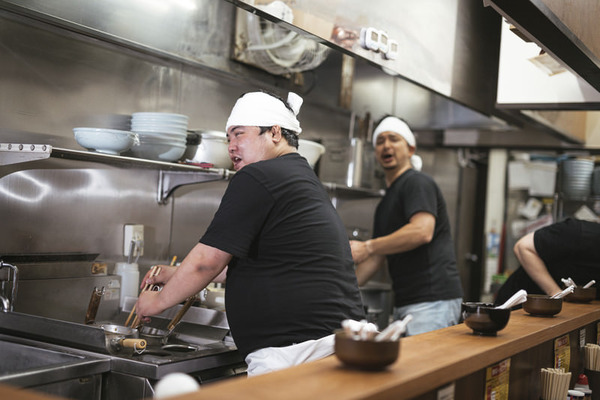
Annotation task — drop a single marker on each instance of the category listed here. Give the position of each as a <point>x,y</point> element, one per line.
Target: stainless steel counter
<point>197,353</point>
<point>33,364</point>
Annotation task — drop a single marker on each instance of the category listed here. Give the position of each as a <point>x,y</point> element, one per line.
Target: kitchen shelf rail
<point>171,175</point>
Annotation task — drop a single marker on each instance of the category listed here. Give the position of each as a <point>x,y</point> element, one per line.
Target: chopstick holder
<point>592,357</point>
<point>555,383</point>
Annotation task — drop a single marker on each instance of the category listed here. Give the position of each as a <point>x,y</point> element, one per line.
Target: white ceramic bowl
<point>159,124</point>
<point>108,141</point>
<point>213,149</point>
<point>163,140</point>
<point>162,135</point>
<point>310,150</point>
<point>159,151</point>
<point>159,116</point>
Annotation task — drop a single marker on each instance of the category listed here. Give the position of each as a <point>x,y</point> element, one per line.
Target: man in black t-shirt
<point>412,231</point>
<point>289,270</point>
<point>566,249</point>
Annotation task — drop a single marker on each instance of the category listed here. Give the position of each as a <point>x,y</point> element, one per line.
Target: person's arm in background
<point>534,266</point>
<point>367,268</point>
<point>370,255</point>
<point>417,232</point>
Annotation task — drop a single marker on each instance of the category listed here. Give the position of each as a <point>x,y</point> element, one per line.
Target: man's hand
<point>360,251</point>
<point>166,272</point>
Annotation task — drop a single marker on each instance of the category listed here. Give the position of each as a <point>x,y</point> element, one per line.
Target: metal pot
<point>191,145</point>
<point>212,149</point>
<point>159,337</point>
<point>154,337</point>
<point>122,340</point>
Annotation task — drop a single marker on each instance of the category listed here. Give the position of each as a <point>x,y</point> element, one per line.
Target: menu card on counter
<point>496,381</point>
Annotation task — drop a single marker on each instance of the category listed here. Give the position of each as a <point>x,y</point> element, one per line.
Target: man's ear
<point>276,133</point>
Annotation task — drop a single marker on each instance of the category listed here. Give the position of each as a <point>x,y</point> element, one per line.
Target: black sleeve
<point>240,217</point>
<point>558,240</point>
<point>420,195</point>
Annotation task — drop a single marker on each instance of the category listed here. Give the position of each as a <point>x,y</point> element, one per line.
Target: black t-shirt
<point>292,276</point>
<point>570,248</point>
<point>427,273</point>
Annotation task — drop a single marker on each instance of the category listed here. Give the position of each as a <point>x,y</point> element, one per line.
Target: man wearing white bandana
<point>284,250</point>
<point>412,232</point>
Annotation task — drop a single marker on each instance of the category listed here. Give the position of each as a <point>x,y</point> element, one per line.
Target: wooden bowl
<point>542,305</point>
<point>484,319</point>
<point>581,295</point>
<point>365,354</point>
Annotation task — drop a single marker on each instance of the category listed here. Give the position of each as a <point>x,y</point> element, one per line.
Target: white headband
<point>396,125</point>
<point>262,109</point>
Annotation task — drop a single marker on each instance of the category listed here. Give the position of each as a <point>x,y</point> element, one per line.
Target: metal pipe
<point>15,280</point>
<point>5,304</point>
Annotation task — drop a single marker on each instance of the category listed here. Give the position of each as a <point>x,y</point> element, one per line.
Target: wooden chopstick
<point>136,321</point>
<point>188,303</point>
<point>155,270</point>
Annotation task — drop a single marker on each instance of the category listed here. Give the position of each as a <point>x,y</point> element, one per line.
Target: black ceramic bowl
<point>484,319</point>
<point>365,354</point>
<point>542,305</point>
<point>581,295</point>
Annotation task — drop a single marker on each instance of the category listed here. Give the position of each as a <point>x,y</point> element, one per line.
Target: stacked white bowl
<point>162,135</point>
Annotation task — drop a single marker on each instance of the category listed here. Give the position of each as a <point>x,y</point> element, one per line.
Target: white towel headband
<point>396,125</point>
<point>262,109</point>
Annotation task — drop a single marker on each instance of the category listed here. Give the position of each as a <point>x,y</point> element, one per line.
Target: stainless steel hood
<point>448,47</point>
<point>444,77</point>
<point>566,30</point>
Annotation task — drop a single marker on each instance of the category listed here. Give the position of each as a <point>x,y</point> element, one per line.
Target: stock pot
<point>212,149</point>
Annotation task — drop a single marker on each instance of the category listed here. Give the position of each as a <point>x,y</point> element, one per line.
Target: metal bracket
<point>168,181</point>
<point>14,153</point>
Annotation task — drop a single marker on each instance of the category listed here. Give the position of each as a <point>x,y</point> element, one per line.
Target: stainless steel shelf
<point>14,153</point>
<point>172,175</point>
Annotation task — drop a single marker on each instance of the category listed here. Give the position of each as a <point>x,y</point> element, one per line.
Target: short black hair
<point>290,136</point>
<point>391,115</point>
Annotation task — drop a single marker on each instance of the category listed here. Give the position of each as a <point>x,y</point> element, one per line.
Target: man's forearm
<point>366,269</point>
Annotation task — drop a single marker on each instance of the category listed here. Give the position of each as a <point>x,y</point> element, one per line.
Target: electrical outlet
<point>133,232</point>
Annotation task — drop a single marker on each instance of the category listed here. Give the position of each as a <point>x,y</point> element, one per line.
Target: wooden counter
<point>429,361</point>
